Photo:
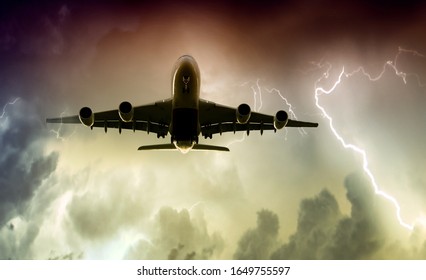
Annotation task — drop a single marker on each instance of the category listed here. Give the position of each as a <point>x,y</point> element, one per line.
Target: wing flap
<point>161,129</point>
<point>230,127</point>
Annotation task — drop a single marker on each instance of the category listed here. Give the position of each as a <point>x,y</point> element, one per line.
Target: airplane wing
<point>151,118</point>
<point>216,118</point>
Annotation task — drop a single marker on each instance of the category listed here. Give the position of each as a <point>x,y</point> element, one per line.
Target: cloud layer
<point>68,192</point>
<point>24,169</point>
<point>323,232</point>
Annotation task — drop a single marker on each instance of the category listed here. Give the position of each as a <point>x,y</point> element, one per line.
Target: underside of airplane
<point>184,116</point>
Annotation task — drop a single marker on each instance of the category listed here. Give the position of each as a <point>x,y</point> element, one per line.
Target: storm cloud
<point>68,192</point>
<point>24,167</point>
<point>323,232</point>
<point>316,222</point>
<point>258,243</point>
<point>177,235</point>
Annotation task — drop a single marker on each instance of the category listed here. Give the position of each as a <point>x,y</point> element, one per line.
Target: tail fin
<point>169,147</point>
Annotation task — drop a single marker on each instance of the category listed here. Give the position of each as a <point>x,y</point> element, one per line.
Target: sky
<point>358,68</point>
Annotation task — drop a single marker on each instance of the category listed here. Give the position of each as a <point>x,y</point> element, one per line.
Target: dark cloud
<point>23,165</point>
<point>359,236</point>
<point>23,169</point>
<point>259,242</point>
<point>317,220</point>
<point>324,233</point>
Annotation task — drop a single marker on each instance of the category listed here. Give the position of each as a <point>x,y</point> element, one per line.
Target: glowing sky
<point>69,192</point>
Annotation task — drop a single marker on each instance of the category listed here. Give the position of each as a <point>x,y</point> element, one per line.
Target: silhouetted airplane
<point>184,115</point>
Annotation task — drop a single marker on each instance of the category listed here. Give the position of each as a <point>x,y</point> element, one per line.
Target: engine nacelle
<point>86,116</point>
<point>243,113</point>
<point>125,110</point>
<point>280,119</point>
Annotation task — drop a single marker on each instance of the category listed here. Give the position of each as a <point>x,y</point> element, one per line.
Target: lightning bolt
<point>290,110</point>
<point>257,95</point>
<point>4,114</point>
<point>259,90</point>
<point>343,74</point>
<point>236,141</point>
<point>198,203</point>
<point>253,88</point>
<point>5,117</point>
<point>58,131</point>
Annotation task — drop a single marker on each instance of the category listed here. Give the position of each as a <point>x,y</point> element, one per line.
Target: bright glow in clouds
<point>290,195</point>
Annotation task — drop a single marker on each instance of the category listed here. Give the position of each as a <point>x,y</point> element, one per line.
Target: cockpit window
<point>186,79</point>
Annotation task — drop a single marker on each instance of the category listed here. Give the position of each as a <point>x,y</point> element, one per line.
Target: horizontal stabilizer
<point>157,147</point>
<point>198,147</point>
<point>202,147</point>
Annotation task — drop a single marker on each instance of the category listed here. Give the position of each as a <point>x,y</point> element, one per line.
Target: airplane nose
<point>187,61</point>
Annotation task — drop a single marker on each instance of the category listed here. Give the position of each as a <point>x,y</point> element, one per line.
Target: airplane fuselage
<point>185,125</point>
<point>185,116</point>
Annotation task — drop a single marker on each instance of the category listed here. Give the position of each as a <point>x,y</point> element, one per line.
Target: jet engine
<point>243,113</point>
<point>280,119</point>
<point>125,110</point>
<point>86,116</point>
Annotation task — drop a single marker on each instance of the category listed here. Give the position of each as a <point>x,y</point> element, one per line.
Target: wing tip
<point>203,147</point>
<point>169,147</point>
<point>50,120</point>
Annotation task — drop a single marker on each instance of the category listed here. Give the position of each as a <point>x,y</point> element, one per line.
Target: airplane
<point>184,116</point>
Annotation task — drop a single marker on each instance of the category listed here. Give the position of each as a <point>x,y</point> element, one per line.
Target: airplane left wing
<point>216,118</point>
<point>151,118</point>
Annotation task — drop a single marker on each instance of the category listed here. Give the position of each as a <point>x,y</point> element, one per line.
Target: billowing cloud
<point>91,195</point>
<point>23,164</point>
<point>359,236</point>
<point>16,244</point>
<point>24,167</point>
<point>317,221</point>
<point>177,235</point>
<point>258,243</point>
<point>323,232</point>
<point>111,204</point>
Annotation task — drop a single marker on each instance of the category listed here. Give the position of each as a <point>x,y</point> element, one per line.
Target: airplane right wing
<point>216,118</point>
